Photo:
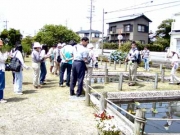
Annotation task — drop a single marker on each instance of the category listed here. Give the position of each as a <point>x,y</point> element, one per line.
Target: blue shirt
<point>67,53</point>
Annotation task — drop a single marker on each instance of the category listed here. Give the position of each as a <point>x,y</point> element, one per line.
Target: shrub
<point>117,55</point>
<point>26,49</point>
<point>110,46</point>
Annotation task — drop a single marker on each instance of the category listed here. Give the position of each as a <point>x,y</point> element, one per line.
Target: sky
<point>31,15</point>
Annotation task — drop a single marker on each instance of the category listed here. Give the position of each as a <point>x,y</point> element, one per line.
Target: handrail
<point>160,119</point>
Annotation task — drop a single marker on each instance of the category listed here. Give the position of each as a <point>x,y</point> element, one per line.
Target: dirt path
<point>46,111</point>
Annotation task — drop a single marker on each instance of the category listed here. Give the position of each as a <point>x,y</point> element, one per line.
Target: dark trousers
<point>2,84</point>
<point>43,72</point>
<point>78,72</point>
<point>68,67</point>
<point>13,74</point>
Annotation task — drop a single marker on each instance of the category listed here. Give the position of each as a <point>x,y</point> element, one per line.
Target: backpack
<point>15,64</point>
<point>138,59</point>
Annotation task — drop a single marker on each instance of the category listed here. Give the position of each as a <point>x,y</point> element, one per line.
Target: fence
<point>105,104</point>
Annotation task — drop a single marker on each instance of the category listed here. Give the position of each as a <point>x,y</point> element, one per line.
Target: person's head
<point>1,43</point>
<point>90,46</point>
<point>72,42</point>
<point>19,48</point>
<point>18,43</point>
<point>54,46</point>
<point>173,51</point>
<point>85,41</point>
<point>37,46</point>
<point>145,48</point>
<point>60,46</point>
<point>45,47</point>
<point>133,45</point>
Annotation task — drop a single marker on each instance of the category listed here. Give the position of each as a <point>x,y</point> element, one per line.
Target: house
<point>95,34</point>
<point>132,27</point>
<point>175,33</point>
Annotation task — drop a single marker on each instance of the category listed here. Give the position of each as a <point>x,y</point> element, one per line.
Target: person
<point>11,54</point>
<point>3,58</point>
<point>56,53</point>
<point>19,75</point>
<point>51,50</point>
<point>174,63</point>
<point>80,55</point>
<point>43,56</point>
<point>132,58</point>
<point>36,60</point>
<point>92,60</point>
<point>66,64</point>
<point>145,56</point>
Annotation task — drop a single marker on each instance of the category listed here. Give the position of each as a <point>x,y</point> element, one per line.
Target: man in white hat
<point>57,62</point>
<point>36,60</point>
<point>174,63</point>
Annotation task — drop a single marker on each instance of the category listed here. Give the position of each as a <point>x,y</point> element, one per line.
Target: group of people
<point>133,56</point>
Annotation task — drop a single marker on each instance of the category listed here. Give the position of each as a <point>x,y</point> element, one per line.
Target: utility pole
<point>102,33</point>
<point>66,23</point>
<point>90,31</point>
<point>5,24</point>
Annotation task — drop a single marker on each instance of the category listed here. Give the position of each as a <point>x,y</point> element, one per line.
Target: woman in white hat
<point>174,63</point>
<point>92,60</point>
<point>36,60</point>
<point>3,58</point>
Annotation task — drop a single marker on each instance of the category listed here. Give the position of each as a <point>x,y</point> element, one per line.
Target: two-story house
<point>175,33</point>
<point>95,34</point>
<point>132,28</point>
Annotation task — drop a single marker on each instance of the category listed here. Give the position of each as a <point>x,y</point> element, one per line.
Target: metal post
<point>106,80</point>
<point>105,67</point>
<point>114,65</point>
<point>119,63</point>
<point>160,67</point>
<point>87,92</point>
<point>162,75</point>
<point>137,124</point>
<point>101,60</point>
<point>103,102</point>
<point>103,34</point>
<point>90,31</point>
<point>109,62</point>
<point>120,81</point>
<point>156,81</point>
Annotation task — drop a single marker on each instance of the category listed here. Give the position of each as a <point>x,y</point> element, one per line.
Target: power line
<point>139,13</point>
<point>142,7</point>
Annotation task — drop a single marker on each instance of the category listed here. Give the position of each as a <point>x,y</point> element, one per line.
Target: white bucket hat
<point>37,45</point>
<point>89,46</point>
<point>59,45</point>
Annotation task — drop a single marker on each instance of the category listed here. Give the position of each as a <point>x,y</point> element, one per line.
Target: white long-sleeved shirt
<point>3,58</point>
<point>93,58</point>
<point>133,54</point>
<point>18,55</point>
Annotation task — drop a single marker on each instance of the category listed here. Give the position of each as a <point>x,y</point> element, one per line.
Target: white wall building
<point>175,33</point>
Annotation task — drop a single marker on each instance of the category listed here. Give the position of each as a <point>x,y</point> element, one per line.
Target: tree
<point>27,44</point>
<point>11,37</point>
<point>164,29</point>
<point>53,34</point>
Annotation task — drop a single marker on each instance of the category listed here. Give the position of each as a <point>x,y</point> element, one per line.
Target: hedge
<point>110,46</point>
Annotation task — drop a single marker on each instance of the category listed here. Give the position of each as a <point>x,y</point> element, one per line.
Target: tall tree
<point>53,34</point>
<point>11,36</point>
<point>164,29</point>
<point>27,44</point>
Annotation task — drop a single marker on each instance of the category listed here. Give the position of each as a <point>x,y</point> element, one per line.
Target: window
<point>141,28</point>
<point>128,28</point>
<point>86,34</point>
<point>113,29</point>
<point>96,35</point>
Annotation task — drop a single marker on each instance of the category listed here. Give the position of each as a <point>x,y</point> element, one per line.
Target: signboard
<point>120,37</point>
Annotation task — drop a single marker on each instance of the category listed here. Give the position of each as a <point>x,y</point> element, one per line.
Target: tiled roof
<point>87,31</point>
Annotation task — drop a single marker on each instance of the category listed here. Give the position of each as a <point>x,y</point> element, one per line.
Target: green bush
<point>110,46</point>
<point>26,49</point>
<point>155,47</point>
<point>6,48</point>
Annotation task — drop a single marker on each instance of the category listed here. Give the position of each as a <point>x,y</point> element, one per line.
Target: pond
<point>157,110</point>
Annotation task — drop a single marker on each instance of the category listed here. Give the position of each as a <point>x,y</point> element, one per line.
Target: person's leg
<point>1,94</point>
<point>80,77</point>
<point>73,78</point>
<point>19,81</point>
<point>41,72</point>
<point>134,72</point>
<point>130,72</point>
<point>62,69</point>
<point>2,84</point>
<point>69,67</point>
<point>16,82</point>
<point>36,75</point>
<point>172,75</point>
<point>145,64</point>
<point>13,76</point>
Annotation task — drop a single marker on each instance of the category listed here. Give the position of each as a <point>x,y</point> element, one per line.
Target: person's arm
<point>20,57</point>
<point>3,57</point>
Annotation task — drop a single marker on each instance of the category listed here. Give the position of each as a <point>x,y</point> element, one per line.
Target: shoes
<point>72,94</point>
<point>79,95</point>
<point>131,84</point>
<point>60,85</point>
<point>3,101</point>
<point>42,83</point>
<point>36,87</point>
<point>18,93</point>
<point>67,85</point>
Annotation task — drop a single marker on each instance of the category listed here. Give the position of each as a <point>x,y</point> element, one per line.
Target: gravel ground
<point>46,111</point>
